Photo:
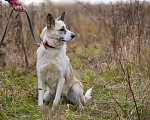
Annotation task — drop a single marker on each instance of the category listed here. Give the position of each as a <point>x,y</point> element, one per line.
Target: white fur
<point>88,94</point>
<point>55,71</point>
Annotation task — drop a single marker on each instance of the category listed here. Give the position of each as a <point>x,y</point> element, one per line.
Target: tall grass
<point>111,53</point>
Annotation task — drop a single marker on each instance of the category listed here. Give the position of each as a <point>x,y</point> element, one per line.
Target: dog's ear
<point>50,21</point>
<point>62,17</point>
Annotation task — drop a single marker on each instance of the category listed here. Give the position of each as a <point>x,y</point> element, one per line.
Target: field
<point>111,53</point>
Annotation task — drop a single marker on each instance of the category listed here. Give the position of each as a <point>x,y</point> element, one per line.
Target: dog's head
<point>57,28</point>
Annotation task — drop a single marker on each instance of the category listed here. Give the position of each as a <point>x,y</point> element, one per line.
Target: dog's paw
<point>54,107</point>
<point>40,104</point>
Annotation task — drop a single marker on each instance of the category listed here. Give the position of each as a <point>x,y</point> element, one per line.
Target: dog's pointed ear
<point>62,17</point>
<point>50,21</point>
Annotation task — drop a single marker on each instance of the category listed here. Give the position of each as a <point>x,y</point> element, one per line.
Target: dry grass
<point>111,53</point>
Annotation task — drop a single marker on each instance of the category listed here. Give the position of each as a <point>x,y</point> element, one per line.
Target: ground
<point>18,97</point>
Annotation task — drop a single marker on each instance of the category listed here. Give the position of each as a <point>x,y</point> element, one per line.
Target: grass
<point>111,97</point>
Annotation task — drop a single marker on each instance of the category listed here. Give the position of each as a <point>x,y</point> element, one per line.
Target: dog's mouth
<point>62,40</point>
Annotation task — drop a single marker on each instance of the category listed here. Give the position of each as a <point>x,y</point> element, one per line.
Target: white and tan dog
<point>54,68</point>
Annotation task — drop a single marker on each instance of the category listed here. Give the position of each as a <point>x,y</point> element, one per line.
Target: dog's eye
<point>62,29</point>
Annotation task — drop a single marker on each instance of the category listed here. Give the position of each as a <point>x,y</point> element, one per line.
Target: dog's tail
<point>88,94</point>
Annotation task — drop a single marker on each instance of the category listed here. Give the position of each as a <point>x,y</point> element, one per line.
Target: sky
<point>72,1</point>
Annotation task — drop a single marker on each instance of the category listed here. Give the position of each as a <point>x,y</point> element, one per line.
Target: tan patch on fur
<point>70,79</point>
<point>50,71</point>
<point>82,100</point>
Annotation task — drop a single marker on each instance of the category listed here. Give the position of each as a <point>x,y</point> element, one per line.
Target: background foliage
<point>111,53</point>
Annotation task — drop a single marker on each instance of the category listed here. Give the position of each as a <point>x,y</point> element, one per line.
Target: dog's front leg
<point>59,89</point>
<point>41,89</point>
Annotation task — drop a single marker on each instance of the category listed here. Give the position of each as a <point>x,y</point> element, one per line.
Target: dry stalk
<point>117,113</point>
<point>120,107</point>
<point>128,81</point>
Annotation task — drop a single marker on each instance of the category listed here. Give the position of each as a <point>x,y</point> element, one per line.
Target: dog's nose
<point>73,36</point>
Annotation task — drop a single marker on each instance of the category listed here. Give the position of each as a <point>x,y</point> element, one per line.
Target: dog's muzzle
<point>73,36</point>
<point>63,40</point>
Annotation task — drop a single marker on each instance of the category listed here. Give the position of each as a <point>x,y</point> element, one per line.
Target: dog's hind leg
<point>75,94</point>
<point>48,95</point>
<point>41,89</point>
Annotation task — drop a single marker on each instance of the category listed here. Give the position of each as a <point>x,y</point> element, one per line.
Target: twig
<point>128,81</point>
<point>120,107</point>
<point>132,94</point>
<point>116,113</point>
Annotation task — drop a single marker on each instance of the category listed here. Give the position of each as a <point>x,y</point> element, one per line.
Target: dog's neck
<point>46,45</point>
<point>54,43</point>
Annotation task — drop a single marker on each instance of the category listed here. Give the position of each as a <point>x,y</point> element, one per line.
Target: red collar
<point>47,45</point>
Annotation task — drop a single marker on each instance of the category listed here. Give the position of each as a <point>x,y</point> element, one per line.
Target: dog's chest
<point>50,73</point>
<point>51,66</point>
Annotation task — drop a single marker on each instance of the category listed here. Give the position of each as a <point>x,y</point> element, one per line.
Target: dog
<point>54,68</point>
